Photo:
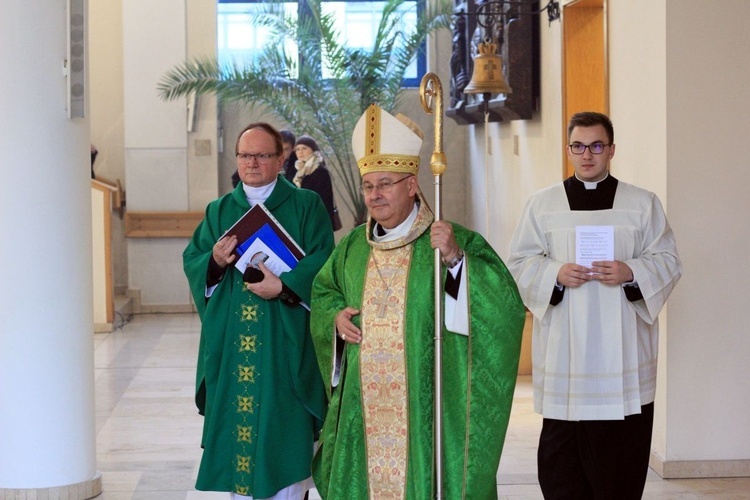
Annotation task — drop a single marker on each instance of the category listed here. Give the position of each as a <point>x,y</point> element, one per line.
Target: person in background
<point>596,330</point>
<point>94,152</point>
<point>235,178</point>
<point>311,173</point>
<point>373,320</point>
<point>290,156</point>
<point>258,385</point>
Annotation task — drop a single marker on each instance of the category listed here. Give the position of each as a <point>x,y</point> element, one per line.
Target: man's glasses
<point>384,187</point>
<point>596,148</point>
<point>262,158</point>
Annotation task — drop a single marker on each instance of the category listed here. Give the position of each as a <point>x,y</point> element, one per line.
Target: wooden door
<point>584,61</point>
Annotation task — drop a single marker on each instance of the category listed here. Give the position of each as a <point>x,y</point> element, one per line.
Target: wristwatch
<point>450,264</point>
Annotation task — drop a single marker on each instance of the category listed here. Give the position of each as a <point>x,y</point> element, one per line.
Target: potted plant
<point>292,86</point>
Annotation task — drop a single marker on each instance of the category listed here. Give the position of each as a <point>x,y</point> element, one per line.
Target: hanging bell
<point>487,77</point>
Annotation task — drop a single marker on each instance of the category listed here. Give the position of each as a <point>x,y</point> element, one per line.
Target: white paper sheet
<point>594,243</point>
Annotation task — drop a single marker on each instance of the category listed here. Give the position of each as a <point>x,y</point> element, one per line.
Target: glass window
<point>238,40</point>
<point>356,22</point>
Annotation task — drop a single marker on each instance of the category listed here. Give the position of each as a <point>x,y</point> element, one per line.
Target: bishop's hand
<point>345,328</point>
<point>442,237</point>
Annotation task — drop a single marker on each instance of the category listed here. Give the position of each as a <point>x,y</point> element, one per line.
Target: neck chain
<point>377,268</point>
<point>381,297</point>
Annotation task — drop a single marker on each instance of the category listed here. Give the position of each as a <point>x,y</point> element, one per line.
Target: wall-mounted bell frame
<point>497,42</point>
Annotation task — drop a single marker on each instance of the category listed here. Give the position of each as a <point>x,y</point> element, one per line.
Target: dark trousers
<point>595,459</point>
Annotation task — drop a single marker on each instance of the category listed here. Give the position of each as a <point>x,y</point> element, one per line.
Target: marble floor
<point>148,430</point>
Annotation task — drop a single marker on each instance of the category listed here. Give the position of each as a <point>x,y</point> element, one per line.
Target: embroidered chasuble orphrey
<point>377,439</point>
<point>382,370</point>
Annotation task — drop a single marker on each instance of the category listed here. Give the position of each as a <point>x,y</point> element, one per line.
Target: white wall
<point>453,185</point>
<point>499,186</point>
<point>708,122</point>
<point>638,104</point>
<point>154,40</point>
<point>166,169</point>
<point>203,181</point>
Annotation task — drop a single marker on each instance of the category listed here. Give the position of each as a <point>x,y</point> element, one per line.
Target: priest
<point>596,309</point>
<point>258,383</point>
<point>373,328</point>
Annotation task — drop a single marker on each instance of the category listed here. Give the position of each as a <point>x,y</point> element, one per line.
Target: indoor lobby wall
<point>707,373</point>
<point>171,168</point>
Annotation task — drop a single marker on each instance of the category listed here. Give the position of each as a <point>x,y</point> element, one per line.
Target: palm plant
<point>325,108</point>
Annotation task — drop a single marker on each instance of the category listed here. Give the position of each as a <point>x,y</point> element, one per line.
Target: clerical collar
<point>580,197</point>
<point>591,185</point>
<point>255,195</point>
<point>381,234</point>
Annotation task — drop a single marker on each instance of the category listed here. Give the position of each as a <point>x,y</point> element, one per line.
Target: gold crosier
<point>431,96</point>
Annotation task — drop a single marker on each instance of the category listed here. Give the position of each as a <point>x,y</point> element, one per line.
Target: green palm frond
<point>326,109</point>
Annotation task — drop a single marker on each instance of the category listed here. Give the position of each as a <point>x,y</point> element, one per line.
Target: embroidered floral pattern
<point>248,343</point>
<point>383,372</point>
<point>244,434</point>
<point>246,374</point>
<point>243,464</point>
<point>245,404</point>
<point>249,312</point>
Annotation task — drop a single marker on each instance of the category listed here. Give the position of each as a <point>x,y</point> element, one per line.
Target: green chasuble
<point>384,449</point>
<point>258,383</point>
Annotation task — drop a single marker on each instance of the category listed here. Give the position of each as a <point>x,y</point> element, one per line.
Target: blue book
<point>267,235</point>
<point>262,239</point>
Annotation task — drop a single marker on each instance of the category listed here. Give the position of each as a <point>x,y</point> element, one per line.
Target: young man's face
<point>588,166</point>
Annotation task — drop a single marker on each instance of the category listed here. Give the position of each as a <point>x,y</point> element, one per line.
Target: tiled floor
<point>148,430</point>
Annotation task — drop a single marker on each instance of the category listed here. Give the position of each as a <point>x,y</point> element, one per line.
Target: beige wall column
<point>47,435</point>
<point>707,121</point>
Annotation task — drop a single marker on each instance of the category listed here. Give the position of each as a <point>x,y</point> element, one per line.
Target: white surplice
<point>595,353</point>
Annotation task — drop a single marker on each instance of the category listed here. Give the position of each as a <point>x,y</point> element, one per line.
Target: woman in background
<point>312,174</point>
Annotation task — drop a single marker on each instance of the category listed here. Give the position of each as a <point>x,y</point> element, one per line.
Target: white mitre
<point>385,143</point>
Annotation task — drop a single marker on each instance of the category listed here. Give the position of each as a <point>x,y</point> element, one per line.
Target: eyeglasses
<point>384,187</point>
<point>596,148</point>
<point>261,158</point>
